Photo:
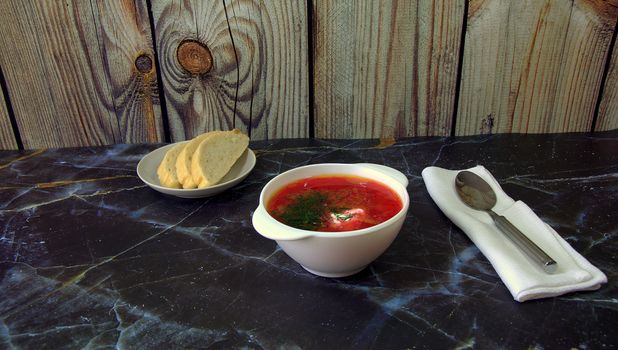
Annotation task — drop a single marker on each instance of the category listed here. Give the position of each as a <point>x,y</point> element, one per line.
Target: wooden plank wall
<point>99,72</point>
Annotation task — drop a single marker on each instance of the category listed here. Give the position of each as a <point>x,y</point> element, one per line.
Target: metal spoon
<point>477,194</point>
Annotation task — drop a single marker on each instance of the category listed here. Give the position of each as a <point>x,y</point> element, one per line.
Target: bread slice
<point>167,169</point>
<point>183,162</point>
<point>215,156</point>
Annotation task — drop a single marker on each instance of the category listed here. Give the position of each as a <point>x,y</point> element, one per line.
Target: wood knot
<point>143,63</point>
<point>194,57</point>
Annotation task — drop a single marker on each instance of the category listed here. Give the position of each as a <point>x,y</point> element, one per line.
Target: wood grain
<point>125,41</point>
<point>7,137</point>
<point>56,84</point>
<point>259,78</point>
<point>608,109</point>
<point>533,66</point>
<point>385,68</point>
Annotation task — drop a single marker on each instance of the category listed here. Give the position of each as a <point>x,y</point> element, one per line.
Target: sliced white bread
<point>215,156</point>
<point>183,162</point>
<point>167,169</point>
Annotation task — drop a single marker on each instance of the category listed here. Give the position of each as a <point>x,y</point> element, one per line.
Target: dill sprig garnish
<point>338,213</point>
<point>343,217</point>
<point>306,212</point>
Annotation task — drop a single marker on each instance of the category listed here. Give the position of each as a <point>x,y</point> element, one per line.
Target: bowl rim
<point>339,234</point>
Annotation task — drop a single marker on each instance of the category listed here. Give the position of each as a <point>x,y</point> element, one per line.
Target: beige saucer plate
<point>147,171</point>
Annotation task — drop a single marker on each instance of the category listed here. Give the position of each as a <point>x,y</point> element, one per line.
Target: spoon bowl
<point>474,191</point>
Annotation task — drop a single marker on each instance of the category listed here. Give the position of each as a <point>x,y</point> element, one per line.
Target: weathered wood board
<point>69,72</point>
<point>7,136</point>
<point>126,47</point>
<point>247,67</point>
<point>385,68</point>
<point>608,109</point>
<point>533,66</point>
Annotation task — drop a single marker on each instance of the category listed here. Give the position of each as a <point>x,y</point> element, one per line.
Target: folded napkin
<point>524,279</point>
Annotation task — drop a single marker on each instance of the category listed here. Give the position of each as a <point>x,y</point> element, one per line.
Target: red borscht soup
<point>334,203</point>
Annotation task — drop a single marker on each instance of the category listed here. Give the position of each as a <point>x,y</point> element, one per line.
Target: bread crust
<point>167,169</point>
<point>183,162</point>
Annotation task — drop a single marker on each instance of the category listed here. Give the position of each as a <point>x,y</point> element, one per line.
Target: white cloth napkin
<point>524,279</point>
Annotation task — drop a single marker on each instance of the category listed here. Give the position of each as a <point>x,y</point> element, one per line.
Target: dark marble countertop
<point>91,257</point>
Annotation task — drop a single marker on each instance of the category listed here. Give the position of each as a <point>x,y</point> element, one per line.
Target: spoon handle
<point>524,243</point>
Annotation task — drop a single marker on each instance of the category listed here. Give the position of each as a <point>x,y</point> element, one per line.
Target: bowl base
<point>334,275</point>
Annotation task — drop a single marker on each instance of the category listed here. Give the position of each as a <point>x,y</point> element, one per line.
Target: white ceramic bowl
<point>147,171</point>
<point>333,254</point>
